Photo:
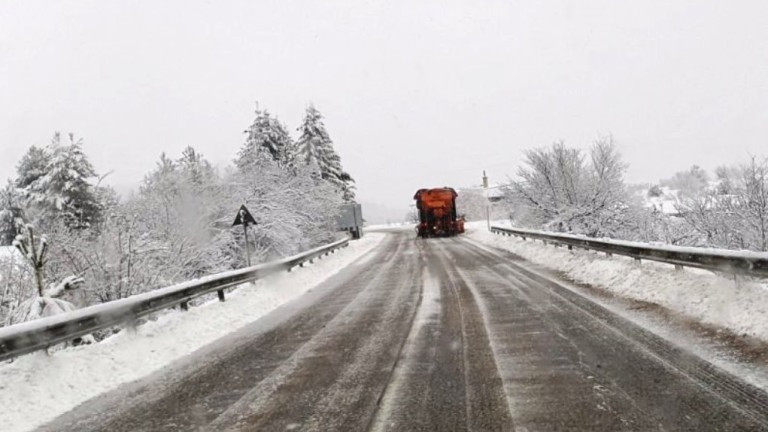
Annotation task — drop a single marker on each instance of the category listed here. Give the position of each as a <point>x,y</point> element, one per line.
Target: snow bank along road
<point>433,335</point>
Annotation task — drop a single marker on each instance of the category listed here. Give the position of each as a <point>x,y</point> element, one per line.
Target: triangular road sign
<point>244,217</point>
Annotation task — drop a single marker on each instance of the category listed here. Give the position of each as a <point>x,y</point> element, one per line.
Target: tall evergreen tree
<point>267,139</point>
<point>33,165</point>
<point>11,214</point>
<point>315,147</point>
<point>64,190</point>
<point>197,170</point>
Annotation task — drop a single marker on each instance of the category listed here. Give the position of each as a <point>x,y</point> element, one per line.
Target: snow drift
<point>736,304</point>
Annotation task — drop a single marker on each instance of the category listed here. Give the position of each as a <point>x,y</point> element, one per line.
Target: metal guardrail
<point>39,334</point>
<point>733,262</point>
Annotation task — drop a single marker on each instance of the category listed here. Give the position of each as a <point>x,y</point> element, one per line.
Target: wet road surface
<point>434,335</point>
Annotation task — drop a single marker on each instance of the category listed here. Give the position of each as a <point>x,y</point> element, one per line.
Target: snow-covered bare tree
<point>315,148</point>
<point>114,264</point>
<point>34,250</point>
<point>180,204</point>
<point>732,212</point>
<point>752,207</point>
<point>18,284</point>
<point>563,191</point>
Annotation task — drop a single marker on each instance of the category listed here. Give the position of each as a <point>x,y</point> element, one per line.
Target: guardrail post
<point>132,326</point>
<point>570,247</point>
<point>184,306</point>
<point>220,293</point>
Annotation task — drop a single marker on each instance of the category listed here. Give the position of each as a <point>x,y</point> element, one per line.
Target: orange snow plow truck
<point>437,213</point>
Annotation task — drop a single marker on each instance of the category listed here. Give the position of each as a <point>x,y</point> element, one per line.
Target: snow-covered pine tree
<point>197,170</point>
<point>314,146</point>
<point>266,138</point>
<point>64,190</point>
<point>11,214</point>
<point>33,165</point>
<point>281,136</point>
<point>349,190</point>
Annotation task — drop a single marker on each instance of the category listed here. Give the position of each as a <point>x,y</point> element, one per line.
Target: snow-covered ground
<point>8,251</point>
<point>665,201</point>
<point>36,388</point>
<point>740,306</point>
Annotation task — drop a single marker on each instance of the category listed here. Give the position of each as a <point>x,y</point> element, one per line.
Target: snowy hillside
<point>661,198</point>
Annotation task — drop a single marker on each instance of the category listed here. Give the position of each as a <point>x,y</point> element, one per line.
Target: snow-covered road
<point>438,334</point>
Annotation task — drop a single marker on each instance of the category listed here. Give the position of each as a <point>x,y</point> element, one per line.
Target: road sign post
<point>247,246</point>
<point>244,218</point>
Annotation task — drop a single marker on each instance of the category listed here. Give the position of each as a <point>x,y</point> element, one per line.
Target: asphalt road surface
<point>434,335</point>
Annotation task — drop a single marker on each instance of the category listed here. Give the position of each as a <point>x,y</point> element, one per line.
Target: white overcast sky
<point>415,93</point>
